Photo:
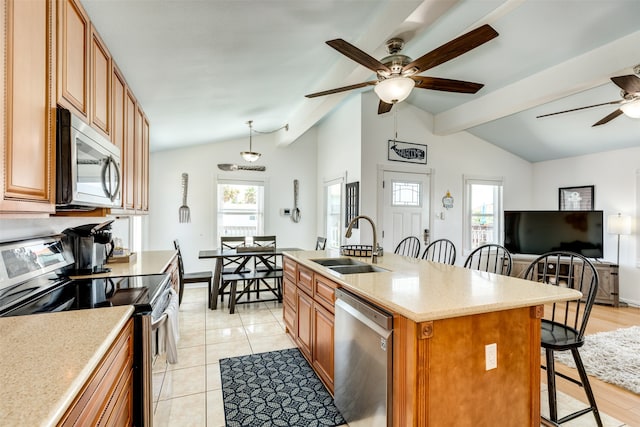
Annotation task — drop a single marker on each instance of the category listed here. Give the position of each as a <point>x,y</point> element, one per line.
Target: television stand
<point>608,284</point>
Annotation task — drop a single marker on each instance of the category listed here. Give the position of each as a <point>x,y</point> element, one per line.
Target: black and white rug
<point>277,388</point>
<point>613,357</point>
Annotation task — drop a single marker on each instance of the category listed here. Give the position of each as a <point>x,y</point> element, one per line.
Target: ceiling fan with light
<point>397,74</point>
<point>629,104</point>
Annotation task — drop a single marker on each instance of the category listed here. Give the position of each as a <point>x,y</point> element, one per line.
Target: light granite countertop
<point>146,262</point>
<point>423,290</point>
<point>45,359</point>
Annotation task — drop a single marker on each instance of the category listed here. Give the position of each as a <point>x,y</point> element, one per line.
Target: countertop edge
<point>72,392</point>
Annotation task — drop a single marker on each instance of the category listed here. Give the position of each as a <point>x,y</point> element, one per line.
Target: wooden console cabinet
<point>308,310</point>
<point>608,282</point>
<point>107,397</point>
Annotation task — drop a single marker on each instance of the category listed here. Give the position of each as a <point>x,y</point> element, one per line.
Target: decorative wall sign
<point>576,198</point>
<point>409,152</point>
<point>447,201</point>
<point>352,199</point>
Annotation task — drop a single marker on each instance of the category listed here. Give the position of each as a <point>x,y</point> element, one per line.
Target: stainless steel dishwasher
<point>363,361</point>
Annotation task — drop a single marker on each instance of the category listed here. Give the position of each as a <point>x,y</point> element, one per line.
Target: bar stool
<point>409,246</point>
<point>492,258</point>
<point>441,250</point>
<point>565,328</point>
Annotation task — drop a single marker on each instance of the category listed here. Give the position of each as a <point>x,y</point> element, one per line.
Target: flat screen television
<point>537,232</point>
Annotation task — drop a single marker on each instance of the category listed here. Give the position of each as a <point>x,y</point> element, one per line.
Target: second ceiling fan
<point>398,74</point>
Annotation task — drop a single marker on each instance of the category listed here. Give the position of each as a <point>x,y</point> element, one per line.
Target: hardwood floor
<point>612,400</point>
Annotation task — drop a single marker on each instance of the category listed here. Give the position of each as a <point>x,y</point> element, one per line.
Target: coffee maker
<point>91,245</point>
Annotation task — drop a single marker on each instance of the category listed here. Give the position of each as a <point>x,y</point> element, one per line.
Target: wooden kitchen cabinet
<point>74,32</point>
<point>128,155</point>
<point>174,274</point>
<point>137,159</point>
<point>145,164</point>
<point>304,335</point>
<point>101,95</point>
<point>27,123</point>
<point>323,333</point>
<point>308,310</point>
<point>107,397</point>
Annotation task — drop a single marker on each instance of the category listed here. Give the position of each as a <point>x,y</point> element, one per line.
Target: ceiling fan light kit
<point>394,89</point>
<point>397,74</point>
<point>631,109</point>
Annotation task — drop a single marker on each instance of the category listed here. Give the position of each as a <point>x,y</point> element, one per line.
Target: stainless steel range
<point>32,280</point>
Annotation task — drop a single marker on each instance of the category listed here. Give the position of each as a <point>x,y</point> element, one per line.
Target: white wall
<point>613,173</point>
<point>448,157</point>
<point>339,150</point>
<point>284,164</point>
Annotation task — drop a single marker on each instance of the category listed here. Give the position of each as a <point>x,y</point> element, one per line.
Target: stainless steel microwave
<point>87,166</point>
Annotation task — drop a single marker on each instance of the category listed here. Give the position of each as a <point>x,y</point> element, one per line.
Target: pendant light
<point>250,156</point>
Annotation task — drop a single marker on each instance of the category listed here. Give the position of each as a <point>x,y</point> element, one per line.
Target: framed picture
<point>408,152</point>
<point>576,198</point>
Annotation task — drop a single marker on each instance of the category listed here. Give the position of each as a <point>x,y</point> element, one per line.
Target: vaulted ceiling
<point>202,68</point>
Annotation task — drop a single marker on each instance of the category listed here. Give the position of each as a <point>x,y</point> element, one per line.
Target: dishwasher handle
<point>371,312</point>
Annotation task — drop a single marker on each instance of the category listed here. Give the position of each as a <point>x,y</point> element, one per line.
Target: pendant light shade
<point>394,89</point>
<point>250,156</point>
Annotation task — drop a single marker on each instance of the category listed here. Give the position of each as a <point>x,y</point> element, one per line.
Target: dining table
<point>243,254</point>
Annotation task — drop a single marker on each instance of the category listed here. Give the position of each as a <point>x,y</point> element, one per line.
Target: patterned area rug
<point>277,388</point>
<point>613,357</point>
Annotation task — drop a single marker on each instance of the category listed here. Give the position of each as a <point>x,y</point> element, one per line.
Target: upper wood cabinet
<point>74,31</point>
<point>138,169</point>
<point>27,120</point>
<point>101,96</point>
<point>128,154</point>
<point>118,99</point>
<point>145,164</point>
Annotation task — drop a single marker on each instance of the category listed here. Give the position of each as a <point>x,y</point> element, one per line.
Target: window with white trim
<point>333,212</point>
<point>483,211</point>
<point>240,208</point>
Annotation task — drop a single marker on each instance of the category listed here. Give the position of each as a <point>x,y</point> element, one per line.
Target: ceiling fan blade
<point>446,85</point>
<point>580,108</point>
<point>608,118</point>
<point>630,83</point>
<point>453,49</point>
<point>342,89</point>
<point>383,107</point>
<point>362,58</point>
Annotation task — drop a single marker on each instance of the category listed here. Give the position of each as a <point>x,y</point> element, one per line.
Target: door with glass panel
<point>405,207</point>
<point>333,212</point>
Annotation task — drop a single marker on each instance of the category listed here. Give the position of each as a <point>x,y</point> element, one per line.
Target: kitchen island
<point>48,360</point>
<point>444,317</point>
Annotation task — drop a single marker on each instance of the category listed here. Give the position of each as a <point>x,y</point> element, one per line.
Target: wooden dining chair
<point>230,264</point>
<point>195,277</point>
<point>267,264</point>
<point>409,246</point>
<point>564,325</point>
<point>492,258</point>
<point>441,250</point>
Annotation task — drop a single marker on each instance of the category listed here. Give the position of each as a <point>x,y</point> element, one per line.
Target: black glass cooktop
<point>139,291</point>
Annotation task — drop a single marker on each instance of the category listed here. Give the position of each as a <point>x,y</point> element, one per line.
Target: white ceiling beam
<point>583,72</point>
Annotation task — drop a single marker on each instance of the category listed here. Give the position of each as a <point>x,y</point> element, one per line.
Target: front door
<point>405,210</point>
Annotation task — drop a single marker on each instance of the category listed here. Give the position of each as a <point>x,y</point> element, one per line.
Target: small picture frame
<point>576,198</point>
<point>407,152</point>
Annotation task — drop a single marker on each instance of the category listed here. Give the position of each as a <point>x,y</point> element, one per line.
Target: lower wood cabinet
<point>323,323</point>
<point>308,311</point>
<point>172,271</point>
<point>107,397</point>
<point>304,335</point>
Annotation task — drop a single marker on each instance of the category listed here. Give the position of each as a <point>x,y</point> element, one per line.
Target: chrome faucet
<point>374,248</point>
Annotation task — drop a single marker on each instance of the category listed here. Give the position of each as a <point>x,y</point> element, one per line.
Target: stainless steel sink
<point>328,262</point>
<point>356,269</point>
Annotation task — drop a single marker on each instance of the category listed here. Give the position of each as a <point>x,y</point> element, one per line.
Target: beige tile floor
<point>189,393</point>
